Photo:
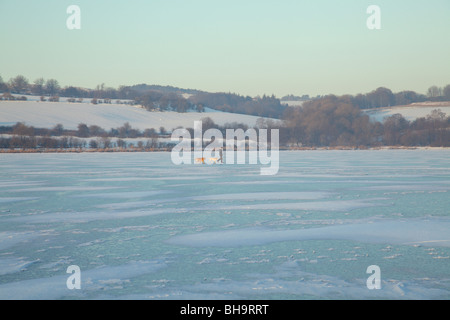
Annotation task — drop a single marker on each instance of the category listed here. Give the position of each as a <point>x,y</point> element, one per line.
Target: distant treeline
<point>155,100</point>
<point>82,131</point>
<point>327,121</point>
<point>266,106</point>
<point>168,98</point>
<point>337,121</point>
<point>22,136</point>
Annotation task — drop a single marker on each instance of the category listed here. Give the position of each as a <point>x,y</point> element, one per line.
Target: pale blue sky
<point>248,47</point>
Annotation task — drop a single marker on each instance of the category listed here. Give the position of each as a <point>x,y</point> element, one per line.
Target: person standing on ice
<point>221,155</point>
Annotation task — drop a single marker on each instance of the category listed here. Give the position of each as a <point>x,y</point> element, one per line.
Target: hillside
<point>409,112</point>
<point>143,88</point>
<point>48,114</point>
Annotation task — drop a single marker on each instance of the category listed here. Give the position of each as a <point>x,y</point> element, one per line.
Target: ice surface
<point>14,199</point>
<point>265,196</point>
<point>340,205</point>
<point>12,265</point>
<point>426,232</point>
<point>290,279</point>
<point>82,217</point>
<point>59,189</point>
<point>11,238</point>
<point>140,227</point>
<point>102,278</point>
<point>122,195</point>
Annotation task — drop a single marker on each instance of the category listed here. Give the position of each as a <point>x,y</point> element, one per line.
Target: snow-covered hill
<point>48,114</point>
<point>409,112</point>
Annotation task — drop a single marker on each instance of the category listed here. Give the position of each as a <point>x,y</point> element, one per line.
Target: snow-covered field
<point>70,115</point>
<point>409,112</point>
<point>292,103</point>
<point>107,116</point>
<point>140,227</point>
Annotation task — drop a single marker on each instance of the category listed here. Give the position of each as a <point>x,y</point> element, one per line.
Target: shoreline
<point>135,150</point>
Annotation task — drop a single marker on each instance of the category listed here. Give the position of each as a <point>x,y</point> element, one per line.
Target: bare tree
<point>3,86</point>
<point>38,87</point>
<point>447,92</point>
<point>21,129</point>
<point>96,131</point>
<point>19,84</point>
<point>58,130</point>
<point>434,92</point>
<point>83,130</point>
<point>122,144</point>
<point>106,142</point>
<point>52,87</point>
<point>93,144</point>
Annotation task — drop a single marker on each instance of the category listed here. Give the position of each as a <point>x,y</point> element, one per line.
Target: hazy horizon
<point>250,48</point>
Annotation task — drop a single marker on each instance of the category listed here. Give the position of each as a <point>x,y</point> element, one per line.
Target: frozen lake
<point>140,227</point>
